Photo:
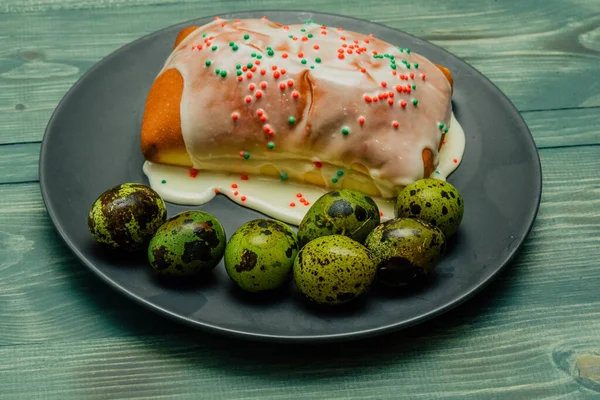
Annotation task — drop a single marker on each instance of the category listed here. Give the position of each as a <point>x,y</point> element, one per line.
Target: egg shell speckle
<point>434,201</point>
<point>187,244</point>
<point>406,249</point>
<point>346,212</point>
<point>126,216</point>
<point>260,255</point>
<point>334,270</point>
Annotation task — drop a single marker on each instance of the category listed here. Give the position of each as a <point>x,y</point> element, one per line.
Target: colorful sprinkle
<point>345,131</point>
<point>340,172</point>
<point>248,99</point>
<point>403,104</point>
<point>214,48</point>
<point>223,73</point>
<point>235,116</point>
<point>292,204</point>
<point>318,164</point>
<point>193,172</point>
<point>244,177</point>
<point>246,36</point>
<point>295,94</point>
<point>163,181</point>
<point>361,120</point>
<point>415,102</point>
<point>292,120</point>
<point>243,198</point>
<point>246,155</point>
<point>283,176</point>
<point>334,180</point>
<point>271,145</point>
<point>207,63</point>
<point>395,124</point>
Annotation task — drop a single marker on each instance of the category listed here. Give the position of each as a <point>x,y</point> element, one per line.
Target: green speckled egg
<point>126,216</point>
<point>433,201</point>
<point>260,255</point>
<point>406,250</point>
<point>334,270</point>
<point>187,244</point>
<point>346,212</point>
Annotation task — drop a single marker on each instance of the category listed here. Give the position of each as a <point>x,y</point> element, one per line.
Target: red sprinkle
<point>284,55</point>
<point>399,88</point>
<point>318,164</point>
<point>394,73</point>
<point>423,76</point>
<point>361,120</point>
<point>391,94</point>
<point>323,33</point>
<point>241,154</point>
<point>234,186</point>
<point>294,38</point>
<point>245,68</point>
<point>375,99</point>
<point>290,83</point>
<point>299,195</point>
<point>412,76</point>
<point>391,102</point>
<point>236,193</point>
<point>306,203</point>
<point>286,28</point>
<point>349,52</point>
<point>263,71</point>
<point>384,84</point>
<point>240,78</point>
<point>251,86</point>
<point>316,47</point>
<point>367,41</point>
<point>300,55</point>
<point>217,18</point>
<point>368,99</point>
<point>248,99</point>
<point>374,52</point>
<point>244,177</point>
<point>403,104</point>
<point>282,86</point>
<point>344,45</point>
<point>292,204</point>
<point>455,161</point>
<point>216,191</point>
<point>304,39</point>
<point>276,74</point>
<point>395,124</point>
<point>340,50</point>
<point>249,75</point>
<point>274,67</point>
<point>263,118</point>
<point>259,94</point>
<point>343,37</point>
<point>380,96</point>
<point>295,94</point>
<point>253,69</point>
<point>243,198</point>
<point>193,172</point>
<point>340,29</point>
<point>267,128</point>
<point>341,56</point>
<point>381,213</point>
<point>235,116</point>
<point>260,112</point>
<point>363,70</point>
<point>263,85</point>
<point>283,71</point>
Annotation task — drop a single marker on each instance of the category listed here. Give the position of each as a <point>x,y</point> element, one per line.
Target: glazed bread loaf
<point>305,102</point>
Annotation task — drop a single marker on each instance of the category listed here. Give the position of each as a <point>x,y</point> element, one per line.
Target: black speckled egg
<point>346,212</point>
<point>433,201</point>
<point>260,255</point>
<point>406,250</point>
<point>126,216</point>
<point>334,270</point>
<point>187,244</point>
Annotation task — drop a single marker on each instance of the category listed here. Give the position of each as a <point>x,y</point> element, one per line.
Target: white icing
<point>273,197</point>
<point>333,100</point>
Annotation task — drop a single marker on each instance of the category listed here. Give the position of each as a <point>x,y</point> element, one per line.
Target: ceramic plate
<point>92,144</point>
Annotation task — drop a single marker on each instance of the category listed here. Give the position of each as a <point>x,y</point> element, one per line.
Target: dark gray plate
<point>92,144</point>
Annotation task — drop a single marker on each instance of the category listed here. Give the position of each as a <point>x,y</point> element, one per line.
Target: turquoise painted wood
<point>534,333</point>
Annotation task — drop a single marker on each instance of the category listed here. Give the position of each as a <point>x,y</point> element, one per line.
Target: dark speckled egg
<point>334,270</point>
<point>346,212</point>
<point>260,255</point>
<point>126,216</point>
<point>406,250</point>
<point>433,201</point>
<point>187,244</point>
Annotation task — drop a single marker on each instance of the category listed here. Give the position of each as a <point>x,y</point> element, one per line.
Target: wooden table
<point>534,333</point>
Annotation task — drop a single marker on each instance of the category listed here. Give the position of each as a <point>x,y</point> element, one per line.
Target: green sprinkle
<point>407,51</point>
<point>302,30</point>
<point>414,87</point>
<point>437,172</point>
<point>271,145</point>
<point>407,66</point>
<point>207,63</point>
<point>253,55</point>
<point>283,176</point>
<point>258,56</point>
<point>318,60</point>
<point>292,120</point>
<point>246,155</point>
<point>312,67</point>
<point>416,65</point>
<point>291,36</point>
<point>249,65</point>
<point>334,180</point>
<point>204,35</point>
<point>217,71</point>
<point>239,73</point>
<point>238,66</point>
<point>445,130</point>
<point>214,48</point>
<point>231,44</point>
<point>345,131</point>
<point>223,74</point>
<point>269,48</point>
<point>415,102</point>
<point>163,181</point>
<point>393,66</point>
<point>310,35</point>
<point>246,36</point>
<point>308,22</point>
<point>441,125</point>
<point>235,47</point>
<point>270,52</point>
<point>303,61</point>
<point>340,172</point>
<point>404,62</point>
<point>401,49</point>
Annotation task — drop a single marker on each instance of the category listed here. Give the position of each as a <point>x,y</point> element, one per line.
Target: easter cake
<point>310,104</point>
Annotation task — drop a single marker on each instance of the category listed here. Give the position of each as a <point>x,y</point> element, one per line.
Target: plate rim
<point>263,337</point>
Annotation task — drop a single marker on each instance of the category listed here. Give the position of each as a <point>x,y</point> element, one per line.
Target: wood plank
<point>19,162</point>
<point>47,295</point>
<point>528,61</point>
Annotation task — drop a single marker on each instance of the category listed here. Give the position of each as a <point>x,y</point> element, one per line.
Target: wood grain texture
<point>514,339</point>
<point>45,45</point>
